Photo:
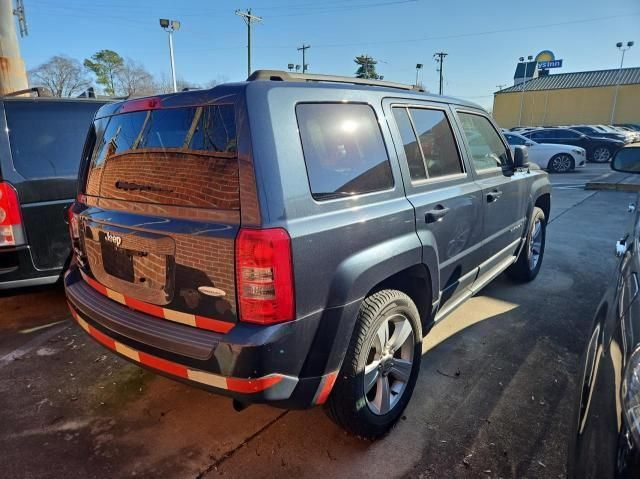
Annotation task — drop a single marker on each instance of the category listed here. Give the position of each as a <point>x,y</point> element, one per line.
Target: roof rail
<point>281,75</point>
<point>38,90</point>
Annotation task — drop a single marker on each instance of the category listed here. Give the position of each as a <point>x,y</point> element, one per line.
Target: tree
<point>165,84</point>
<point>106,65</point>
<point>132,79</point>
<point>62,75</point>
<point>367,68</point>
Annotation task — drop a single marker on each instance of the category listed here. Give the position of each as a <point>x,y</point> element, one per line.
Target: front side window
<point>428,139</point>
<point>515,140</point>
<point>343,148</point>
<point>487,149</point>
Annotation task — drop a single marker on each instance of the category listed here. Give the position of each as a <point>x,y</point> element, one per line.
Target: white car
<point>550,157</point>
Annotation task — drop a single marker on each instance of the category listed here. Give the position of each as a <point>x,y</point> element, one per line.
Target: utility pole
<point>500,87</point>
<point>13,76</point>
<point>248,19</point>
<point>418,68</point>
<point>615,96</point>
<point>303,48</point>
<point>439,56</point>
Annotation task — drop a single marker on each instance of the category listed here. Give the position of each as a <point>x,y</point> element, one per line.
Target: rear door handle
<point>494,195</point>
<point>435,214</point>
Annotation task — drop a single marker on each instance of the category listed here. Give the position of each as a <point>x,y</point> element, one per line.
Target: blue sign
<point>549,64</point>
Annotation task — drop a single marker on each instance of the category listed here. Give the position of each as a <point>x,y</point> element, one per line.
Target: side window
<point>487,149</point>
<point>570,134</point>
<point>538,135</point>
<point>343,149</point>
<point>428,143</point>
<point>514,140</point>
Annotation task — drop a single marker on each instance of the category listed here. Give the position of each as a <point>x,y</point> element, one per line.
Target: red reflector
<point>252,385</point>
<point>153,103</point>
<point>264,275</point>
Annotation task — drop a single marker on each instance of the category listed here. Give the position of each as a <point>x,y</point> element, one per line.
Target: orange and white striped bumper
<point>240,385</point>
<point>170,314</point>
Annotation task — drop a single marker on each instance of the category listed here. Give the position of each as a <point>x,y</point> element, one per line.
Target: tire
<point>349,405</point>
<point>529,260</point>
<point>561,163</point>
<point>602,154</point>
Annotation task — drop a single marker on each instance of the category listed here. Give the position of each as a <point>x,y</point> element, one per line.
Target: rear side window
<point>46,138</point>
<point>343,149</point>
<point>428,143</point>
<point>487,149</point>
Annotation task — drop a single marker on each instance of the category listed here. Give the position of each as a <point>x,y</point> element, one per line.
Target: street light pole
<point>171,26</point>
<point>615,95</point>
<point>524,76</point>
<point>418,68</point>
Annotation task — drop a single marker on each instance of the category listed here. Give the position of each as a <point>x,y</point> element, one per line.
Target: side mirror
<point>520,157</point>
<point>627,160</point>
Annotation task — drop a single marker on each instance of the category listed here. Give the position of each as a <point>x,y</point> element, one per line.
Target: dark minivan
<point>41,143</point>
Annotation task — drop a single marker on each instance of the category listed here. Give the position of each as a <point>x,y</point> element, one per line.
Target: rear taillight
<point>264,275</point>
<point>74,231</point>
<point>10,219</point>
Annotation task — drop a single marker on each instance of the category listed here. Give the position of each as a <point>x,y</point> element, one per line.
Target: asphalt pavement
<point>493,399</point>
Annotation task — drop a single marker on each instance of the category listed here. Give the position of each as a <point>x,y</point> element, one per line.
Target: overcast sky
<point>483,38</point>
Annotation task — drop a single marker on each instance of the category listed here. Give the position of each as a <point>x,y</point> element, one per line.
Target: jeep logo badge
<point>116,240</point>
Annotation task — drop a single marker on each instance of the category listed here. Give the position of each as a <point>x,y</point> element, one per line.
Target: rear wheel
<point>601,155</point>
<point>381,366</point>
<point>528,264</point>
<point>561,163</point>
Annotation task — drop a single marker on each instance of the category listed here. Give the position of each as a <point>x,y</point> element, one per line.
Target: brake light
<point>264,275</point>
<point>153,103</point>
<point>10,218</point>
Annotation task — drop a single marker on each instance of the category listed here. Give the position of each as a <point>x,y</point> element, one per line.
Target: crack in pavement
<point>229,454</point>
<point>572,207</point>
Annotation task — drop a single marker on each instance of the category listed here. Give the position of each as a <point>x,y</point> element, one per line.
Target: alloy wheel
<point>601,155</point>
<point>535,245</point>
<point>389,364</point>
<point>561,163</point>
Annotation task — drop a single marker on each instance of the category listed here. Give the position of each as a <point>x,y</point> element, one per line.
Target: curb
<point>597,185</point>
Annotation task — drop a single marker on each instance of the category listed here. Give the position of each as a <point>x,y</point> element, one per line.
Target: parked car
<point>599,150</point>
<point>594,132</point>
<point>40,147</point>
<point>628,137</point>
<point>605,436</point>
<point>274,241</point>
<point>633,134</point>
<point>554,158</point>
<point>632,126</point>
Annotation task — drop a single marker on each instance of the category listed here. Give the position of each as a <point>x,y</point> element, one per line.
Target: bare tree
<point>219,80</point>
<point>165,84</point>
<point>133,79</point>
<point>64,76</point>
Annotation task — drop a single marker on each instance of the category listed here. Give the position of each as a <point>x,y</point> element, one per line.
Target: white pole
<point>615,95</point>
<point>173,66</point>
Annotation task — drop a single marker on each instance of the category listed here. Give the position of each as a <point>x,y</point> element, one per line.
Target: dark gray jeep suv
<point>291,239</point>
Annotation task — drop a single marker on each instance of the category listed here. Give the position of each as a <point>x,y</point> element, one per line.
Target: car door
<point>504,197</point>
<point>446,200</point>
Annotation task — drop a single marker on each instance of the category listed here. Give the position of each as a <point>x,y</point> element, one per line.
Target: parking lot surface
<point>494,396</point>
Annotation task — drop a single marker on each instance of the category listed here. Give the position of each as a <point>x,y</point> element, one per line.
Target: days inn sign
<point>546,59</point>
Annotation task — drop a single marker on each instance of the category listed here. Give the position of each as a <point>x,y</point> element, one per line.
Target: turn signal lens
<point>10,219</point>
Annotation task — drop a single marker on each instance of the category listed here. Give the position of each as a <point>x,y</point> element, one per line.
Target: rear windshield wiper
<point>125,185</point>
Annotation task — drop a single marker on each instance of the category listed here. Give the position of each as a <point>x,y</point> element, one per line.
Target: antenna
<point>22,20</point>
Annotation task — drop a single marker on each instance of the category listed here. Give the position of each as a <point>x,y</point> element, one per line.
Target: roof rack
<point>38,90</point>
<point>280,75</point>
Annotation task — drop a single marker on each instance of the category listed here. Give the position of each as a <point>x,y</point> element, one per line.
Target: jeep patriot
<point>291,239</point>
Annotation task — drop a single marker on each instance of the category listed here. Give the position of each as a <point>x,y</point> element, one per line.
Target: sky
<point>483,38</point>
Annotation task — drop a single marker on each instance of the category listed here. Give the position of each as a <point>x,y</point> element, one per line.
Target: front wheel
<point>529,261</point>
<point>561,163</point>
<point>601,155</point>
<point>381,366</point>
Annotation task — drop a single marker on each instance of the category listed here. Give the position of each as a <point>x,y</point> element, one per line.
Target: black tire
<point>601,154</point>
<point>558,165</point>
<point>523,269</point>
<point>348,405</point>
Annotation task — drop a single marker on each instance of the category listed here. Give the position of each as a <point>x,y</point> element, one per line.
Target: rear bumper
<point>282,365</point>
<point>17,269</point>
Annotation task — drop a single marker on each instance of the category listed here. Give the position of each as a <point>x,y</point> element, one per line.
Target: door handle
<point>435,214</point>
<point>494,195</point>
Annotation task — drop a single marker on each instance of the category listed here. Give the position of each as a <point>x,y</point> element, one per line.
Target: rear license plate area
<point>117,262</point>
